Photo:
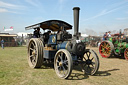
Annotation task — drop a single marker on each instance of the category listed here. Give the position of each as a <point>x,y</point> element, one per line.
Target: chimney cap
<point>76,8</point>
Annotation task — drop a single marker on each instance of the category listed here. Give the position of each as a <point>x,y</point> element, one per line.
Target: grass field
<point>14,70</point>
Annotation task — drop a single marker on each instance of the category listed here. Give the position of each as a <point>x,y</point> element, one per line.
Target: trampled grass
<point>14,70</point>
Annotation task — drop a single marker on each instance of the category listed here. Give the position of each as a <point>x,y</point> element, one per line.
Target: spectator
<point>109,33</point>
<point>2,43</point>
<point>105,36</point>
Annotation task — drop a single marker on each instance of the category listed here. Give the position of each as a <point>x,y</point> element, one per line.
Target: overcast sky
<point>97,15</point>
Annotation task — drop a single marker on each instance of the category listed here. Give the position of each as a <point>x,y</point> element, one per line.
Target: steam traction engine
<point>116,45</point>
<point>61,48</point>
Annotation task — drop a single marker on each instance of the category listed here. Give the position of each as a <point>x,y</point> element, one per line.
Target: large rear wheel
<point>63,63</point>
<point>35,53</point>
<point>106,49</point>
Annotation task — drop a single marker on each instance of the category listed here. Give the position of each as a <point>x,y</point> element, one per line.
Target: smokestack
<point>76,22</point>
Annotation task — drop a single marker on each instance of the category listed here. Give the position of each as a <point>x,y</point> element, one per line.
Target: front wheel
<point>106,49</point>
<point>90,62</point>
<point>63,63</point>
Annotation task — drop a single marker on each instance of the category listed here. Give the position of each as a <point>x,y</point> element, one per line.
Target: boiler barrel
<point>62,45</point>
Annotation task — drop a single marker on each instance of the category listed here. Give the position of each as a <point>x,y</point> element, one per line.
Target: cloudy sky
<point>97,15</point>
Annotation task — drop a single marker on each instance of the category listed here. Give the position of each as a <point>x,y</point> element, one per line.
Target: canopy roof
<point>53,25</point>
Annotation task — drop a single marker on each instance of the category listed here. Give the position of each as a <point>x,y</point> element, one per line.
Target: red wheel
<point>126,53</point>
<point>106,49</point>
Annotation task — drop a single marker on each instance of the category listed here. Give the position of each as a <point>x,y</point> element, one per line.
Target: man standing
<point>105,36</point>
<point>109,33</point>
<point>2,43</point>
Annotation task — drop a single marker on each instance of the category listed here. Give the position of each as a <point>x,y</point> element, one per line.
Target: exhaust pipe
<point>76,22</point>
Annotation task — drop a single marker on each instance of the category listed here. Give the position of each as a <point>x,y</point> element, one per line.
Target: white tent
<point>23,33</point>
<point>84,35</point>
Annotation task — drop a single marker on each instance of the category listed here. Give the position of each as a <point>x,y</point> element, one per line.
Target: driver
<point>36,33</point>
<point>46,36</point>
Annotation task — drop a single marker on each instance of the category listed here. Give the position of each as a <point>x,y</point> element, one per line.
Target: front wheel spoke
<point>57,61</point>
<point>58,67</point>
<point>126,55</point>
<point>101,50</point>
<point>107,45</point>
<point>102,46</point>
<point>61,54</point>
<point>60,57</point>
<point>105,52</point>
<point>66,65</point>
<point>63,70</point>
<point>65,57</point>
<point>65,61</point>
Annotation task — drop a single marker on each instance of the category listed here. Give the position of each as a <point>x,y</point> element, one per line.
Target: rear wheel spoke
<point>31,49</point>
<point>33,44</point>
<point>31,56</point>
